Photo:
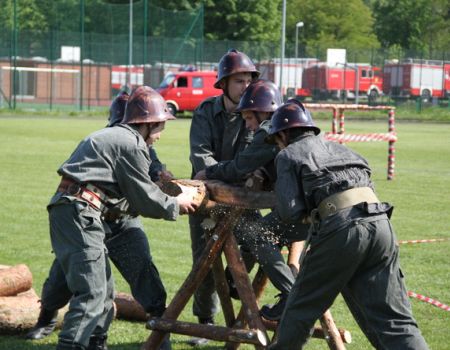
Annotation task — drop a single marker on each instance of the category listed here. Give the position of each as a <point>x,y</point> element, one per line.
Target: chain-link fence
<point>75,62</point>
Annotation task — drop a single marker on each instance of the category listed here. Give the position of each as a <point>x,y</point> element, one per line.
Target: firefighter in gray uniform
<point>353,247</point>
<point>128,249</point>
<point>265,238</point>
<point>217,133</point>
<point>108,168</point>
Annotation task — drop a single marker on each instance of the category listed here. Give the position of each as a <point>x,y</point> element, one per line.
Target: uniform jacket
<point>311,169</point>
<point>117,160</point>
<point>215,134</point>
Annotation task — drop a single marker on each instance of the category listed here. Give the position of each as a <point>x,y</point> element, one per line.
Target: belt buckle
<point>331,208</point>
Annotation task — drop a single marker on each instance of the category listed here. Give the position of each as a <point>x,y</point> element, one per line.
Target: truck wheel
<point>373,96</point>
<point>172,108</point>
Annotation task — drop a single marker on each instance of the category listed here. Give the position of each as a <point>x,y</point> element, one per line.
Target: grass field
<point>32,148</point>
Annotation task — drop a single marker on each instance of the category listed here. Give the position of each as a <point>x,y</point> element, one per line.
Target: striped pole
<point>391,147</point>
<point>334,121</point>
<point>429,300</point>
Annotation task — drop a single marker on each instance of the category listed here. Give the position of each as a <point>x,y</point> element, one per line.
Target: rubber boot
<point>274,312</point>
<point>97,342</point>
<point>45,325</point>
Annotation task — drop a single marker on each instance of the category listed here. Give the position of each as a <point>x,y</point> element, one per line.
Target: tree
<point>329,23</point>
<point>413,24</point>
<point>235,19</point>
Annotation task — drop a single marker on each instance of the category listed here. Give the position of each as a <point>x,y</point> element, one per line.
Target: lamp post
<point>298,25</point>
<point>283,34</point>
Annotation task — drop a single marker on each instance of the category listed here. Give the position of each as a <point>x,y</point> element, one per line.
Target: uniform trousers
<point>354,253</point>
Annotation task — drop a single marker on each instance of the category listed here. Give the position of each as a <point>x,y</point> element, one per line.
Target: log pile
<point>20,305</point>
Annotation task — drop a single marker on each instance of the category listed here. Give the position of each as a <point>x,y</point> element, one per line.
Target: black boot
<point>45,325</point>
<point>97,342</point>
<point>201,341</point>
<point>274,312</point>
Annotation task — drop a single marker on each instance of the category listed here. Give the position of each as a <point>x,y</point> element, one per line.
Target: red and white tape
<point>361,137</point>
<point>428,300</point>
<point>414,241</point>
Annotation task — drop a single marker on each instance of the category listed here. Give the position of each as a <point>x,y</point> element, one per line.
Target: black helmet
<point>117,108</point>
<point>145,105</point>
<point>234,62</point>
<point>291,115</point>
<point>260,96</point>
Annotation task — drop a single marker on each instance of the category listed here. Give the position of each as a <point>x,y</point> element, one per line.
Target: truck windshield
<point>167,81</point>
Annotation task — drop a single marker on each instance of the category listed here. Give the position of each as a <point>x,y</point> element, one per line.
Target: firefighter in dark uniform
<point>128,249</point>
<point>353,248</point>
<point>264,238</point>
<point>217,133</point>
<point>108,168</point>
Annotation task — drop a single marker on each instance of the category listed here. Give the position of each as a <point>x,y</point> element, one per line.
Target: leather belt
<point>91,194</point>
<point>346,199</point>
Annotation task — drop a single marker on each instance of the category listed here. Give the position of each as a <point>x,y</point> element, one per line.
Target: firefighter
<point>261,242</point>
<point>128,249</point>
<point>353,249</point>
<point>217,133</point>
<point>107,168</point>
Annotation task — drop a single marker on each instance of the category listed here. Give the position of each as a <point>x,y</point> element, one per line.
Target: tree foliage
<point>353,24</point>
<point>413,24</point>
<point>329,23</point>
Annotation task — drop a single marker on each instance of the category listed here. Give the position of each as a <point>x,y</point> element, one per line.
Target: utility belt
<point>89,193</point>
<point>342,200</point>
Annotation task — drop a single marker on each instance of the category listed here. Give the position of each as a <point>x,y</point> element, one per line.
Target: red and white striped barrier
<point>429,300</point>
<point>415,241</point>
<point>361,137</point>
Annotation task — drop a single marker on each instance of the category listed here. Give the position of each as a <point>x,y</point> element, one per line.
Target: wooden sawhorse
<point>223,240</point>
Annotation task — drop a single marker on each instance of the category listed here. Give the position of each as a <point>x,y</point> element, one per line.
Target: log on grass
<point>127,308</point>
<point>15,280</point>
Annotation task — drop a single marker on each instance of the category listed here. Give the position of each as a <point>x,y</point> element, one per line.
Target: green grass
<point>31,149</point>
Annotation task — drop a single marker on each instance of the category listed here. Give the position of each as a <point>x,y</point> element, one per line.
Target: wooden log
<point>259,283</point>
<point>199,271</point>
<point>243,285</point>
<point>19,313</point>
<point>218,333</point>
<point>237,196</point>
<point>127,308</point>
<point>223,291</point>
<point>332,335</point>
<point>172,188</point>
<point>15,280</point>
<point>318,331</point>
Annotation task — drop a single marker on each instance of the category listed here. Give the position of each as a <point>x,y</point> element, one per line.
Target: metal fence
<point>77,68</point>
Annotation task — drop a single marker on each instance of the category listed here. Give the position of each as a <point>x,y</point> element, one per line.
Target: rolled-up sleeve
<point>290,204</point>
<point>144,196</point>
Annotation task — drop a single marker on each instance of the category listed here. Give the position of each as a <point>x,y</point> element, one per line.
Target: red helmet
<point>145,105</point>
<point>234,62</point>
<point>260,96</point>
<point>117,108</point>
<point>291,115</point>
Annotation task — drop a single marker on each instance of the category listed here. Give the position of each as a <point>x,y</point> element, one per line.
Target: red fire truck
<point>414,78</point>
<point>185,90</point>
<point>119,77</point>
<point>351,80</point>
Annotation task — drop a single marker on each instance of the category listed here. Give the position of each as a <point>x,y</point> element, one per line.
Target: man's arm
<point>290,205</point>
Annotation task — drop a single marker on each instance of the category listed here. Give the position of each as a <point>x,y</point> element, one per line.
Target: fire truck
<point>413,78</point>
<point>292,73</point>
<point>119,77</point>
<point>342,80</point>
